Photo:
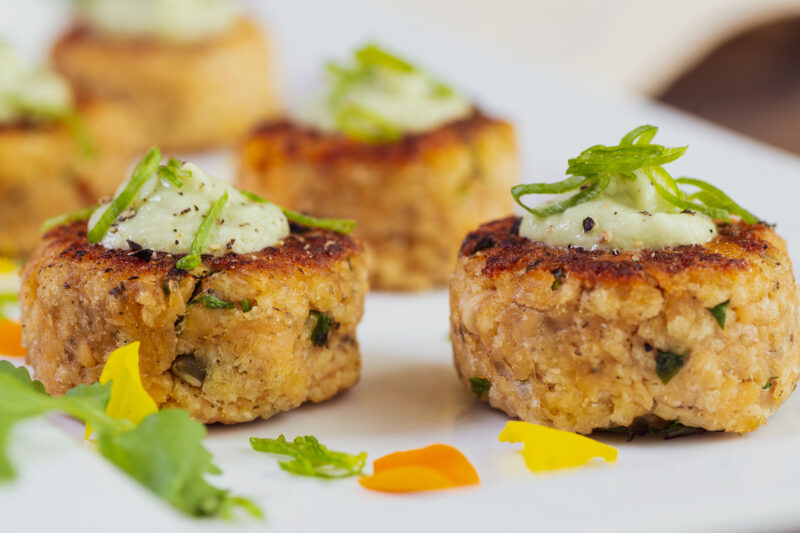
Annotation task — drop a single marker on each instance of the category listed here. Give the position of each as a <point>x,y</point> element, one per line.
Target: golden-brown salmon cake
<point>583,340</point>
<point>283,334</point>
<point>45,170</point>
<point>188,95</point>
<point>413,199</point>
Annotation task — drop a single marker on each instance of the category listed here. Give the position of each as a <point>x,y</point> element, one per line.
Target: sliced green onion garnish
<point>365,126</point>
<point>143,172</point>
<point>66,218</point>
<point>641,136</point>
<point>172,172</point>
<point>338,225</point>
<point>371,55</point>
<point>722,200</point>
<point>194,259</point>
<point>595,166</point>
<point>77,127</point>
<point>594,186</point>
<point>210,301</point>
<point>618,159</point>
<point>682,203</point>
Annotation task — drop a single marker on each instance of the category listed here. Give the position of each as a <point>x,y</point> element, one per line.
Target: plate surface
<point>409,395</point>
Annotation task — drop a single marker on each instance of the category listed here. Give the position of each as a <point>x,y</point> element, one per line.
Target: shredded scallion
<point>144,171</point>
<point>592,170</point>
<point>194,259</point>
<point>338,225</point>
<point>66,218</point>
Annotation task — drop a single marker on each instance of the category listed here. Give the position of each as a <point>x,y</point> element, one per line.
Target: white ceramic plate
<point>409,395</point>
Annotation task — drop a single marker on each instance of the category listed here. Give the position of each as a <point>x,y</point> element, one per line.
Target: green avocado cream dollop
<point>381,97</point>
<point>621,197</point>
<point>30,93</point>
<point>628,215</point>
<point>170,20</point>
<point>165,218</point>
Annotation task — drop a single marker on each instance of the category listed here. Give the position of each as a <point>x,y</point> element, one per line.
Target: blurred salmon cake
<point>412,161</point>
<point>241,312</point>
<point>56,152</point>
<point>626,300</point>
<point>196,73</point>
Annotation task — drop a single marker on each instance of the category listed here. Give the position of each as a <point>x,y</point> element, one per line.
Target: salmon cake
<point>196,73</point>
<point>231,329</point>
<point>614,326</point>
<point>414,163</point>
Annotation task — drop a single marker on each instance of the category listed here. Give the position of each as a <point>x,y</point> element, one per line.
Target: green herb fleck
<point>668,364</point>
<point>141,174</point>
<point>656,427</point>
<point>479,386</point>
<point>194,259</point>
<point>310,458</point>
<point>319,335</point>
<point>558,274</point>
<point>66,218</point>
<point>768,385</point>
<point>164,453</point>
<point>246,307</point>
<point>343,226</point>
<point>210,301</point>
<point>720,312</point>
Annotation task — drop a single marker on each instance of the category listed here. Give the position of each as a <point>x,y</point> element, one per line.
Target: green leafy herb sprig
<point>310,458</point>
<point>165,453</point>
<point>594,168</point>
<point>369,62</point>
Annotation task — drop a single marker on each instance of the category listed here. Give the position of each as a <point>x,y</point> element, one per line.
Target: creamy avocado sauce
<point>409,101</point>
<point>173,20</point>
<point>628,215</point>
<point>30,94</point>
<point>165,218</point>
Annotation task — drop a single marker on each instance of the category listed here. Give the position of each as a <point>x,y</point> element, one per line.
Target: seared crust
<point>81,301</point>
<point>504,250</point>
<point>45,171</point>
<point>187,95</point>
<point>413,199</point>
<point>570,337</point>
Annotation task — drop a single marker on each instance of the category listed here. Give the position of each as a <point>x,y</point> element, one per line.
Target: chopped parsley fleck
<point>768,385</point>
<point>319,335</point>
<point>668,364</point>
<point>210,301</point>
<point>558,274</point>
<point>720,312</point>
<point>479,386</point>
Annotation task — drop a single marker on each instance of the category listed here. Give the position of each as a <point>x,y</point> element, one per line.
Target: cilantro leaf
<point>668,364</point>
<point>20,398</point>
<point>479,386</point>
<point>311,458</point>
<point>165,453</point>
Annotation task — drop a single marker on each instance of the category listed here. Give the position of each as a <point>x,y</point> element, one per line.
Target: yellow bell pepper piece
<point>546,449</point>
<point>7,265</point>
<point>129,400</point>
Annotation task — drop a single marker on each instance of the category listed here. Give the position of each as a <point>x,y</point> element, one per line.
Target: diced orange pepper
<point>431,468</point>
<point>11,339</point>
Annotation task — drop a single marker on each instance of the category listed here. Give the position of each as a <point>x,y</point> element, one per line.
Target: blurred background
<point>734,62</point>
